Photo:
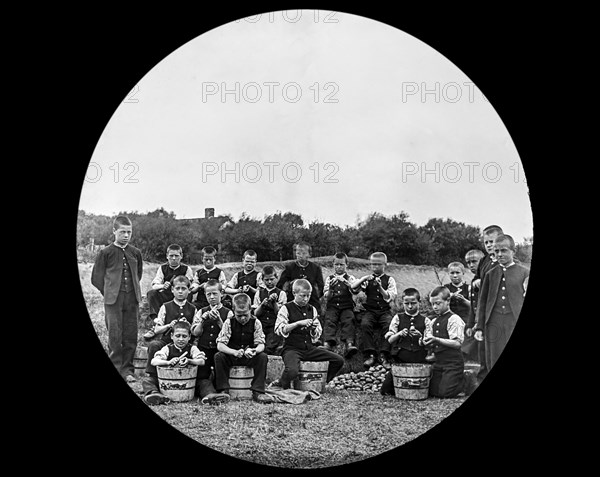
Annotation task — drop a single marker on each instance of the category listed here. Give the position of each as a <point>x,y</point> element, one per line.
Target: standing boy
<point>267,302</point>
<point>406,336</point>
<point>445,335</point>
<point>470,346</point>
<point>340,306</point>
<point>160,288</point>
<point>380,290</point>
<point>485,265</point>
<point>297,322</point>
<point>241,342</point>
<point>500,300</point>
<point>206,272</point>
<point>459,296</point>
<point>116,274</point>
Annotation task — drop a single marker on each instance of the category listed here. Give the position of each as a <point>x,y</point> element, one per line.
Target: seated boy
<point>340,305</point>
<point>241,342</point>
<point>247,280</point>
<point>205,273</point>
<point>180,352</point>
<point>160,288</point>
<point>267,302</point>
<point>380,290</point>
<point>169,314</point>
<point>445,334</point>
<point>208,322</point>
<point>406,336</point>
<point>297,322</point>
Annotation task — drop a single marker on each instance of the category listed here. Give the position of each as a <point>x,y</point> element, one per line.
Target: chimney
<point>209,213</point>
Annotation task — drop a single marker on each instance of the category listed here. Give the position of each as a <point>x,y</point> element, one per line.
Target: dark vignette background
<point>99,57</point>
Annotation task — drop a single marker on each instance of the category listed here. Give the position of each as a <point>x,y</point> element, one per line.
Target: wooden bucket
<point>240,380</point>
<point>411,380</point>
<point>312,376</point>
<point>140,360</point>
<point>177,383</point>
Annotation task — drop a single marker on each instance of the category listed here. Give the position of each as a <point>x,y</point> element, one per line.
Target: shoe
<point>148,335</point>
<point>262,398</point>
<point>155,398</point>
<point>130,378</point>
<point>385,362</point>
<point>274,384</point>
<point>216,398</point>
<point>370,361</point>
<point>351,350</point>
<point>470,381</point>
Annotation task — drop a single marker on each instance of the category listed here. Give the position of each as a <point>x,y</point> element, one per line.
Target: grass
<point>339,428</point>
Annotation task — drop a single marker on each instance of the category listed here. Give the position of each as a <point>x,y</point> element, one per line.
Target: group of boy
<point>267,314</point>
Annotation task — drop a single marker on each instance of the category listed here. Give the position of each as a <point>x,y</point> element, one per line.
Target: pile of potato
<point>369,380</point>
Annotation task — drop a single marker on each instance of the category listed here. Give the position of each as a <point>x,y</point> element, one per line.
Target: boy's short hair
<point>241,300</point>
<point>456,265</point>
<point>444,291</point>
<point>121,220</point>
<point>379,255</point>
<point>411,292</point>
<point>269,270</point>
<point>340,256</point>
<point>175,247</point>
<point>474,253</point>
<point>250,253</point>
<point>208,250</point>
<point>506,238</point>
<point>182,325</point>
<point>303,245</point>
<point>213,282</point>
<point>181,279</point>
<point>490,229</point>
<point>301,283</point>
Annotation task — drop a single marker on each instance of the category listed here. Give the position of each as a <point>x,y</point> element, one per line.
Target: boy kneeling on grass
<point>445,334</point>
<point>180,352</point>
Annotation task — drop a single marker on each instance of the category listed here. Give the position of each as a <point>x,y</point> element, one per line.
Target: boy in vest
<point>241,342</point>
<point>488,262</point>
<point>206,272</point>
<point>180,352</point>
<point>500,300</point>
<point>248,279</point>
<point>179,308</point>
<point>445,334</point>
<point>267,302</point>
<point>303,268</point>
<point>340,304</point>
<point>160,288</point>
<point>297,322</point>
<point>208,323</point>
<point>116,274</point>
<point>406,336</point>
<point>470,345</point>
<point>380,290</point>
<point>459,296</point>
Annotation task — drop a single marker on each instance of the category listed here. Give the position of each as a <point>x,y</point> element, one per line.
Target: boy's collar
<point>123,247</point>
<point>506,266</point>
<point>183,302</point>
<point>174,268</point>
<point>462,282</point>
<point>208,269</point>
<point>178,346</point>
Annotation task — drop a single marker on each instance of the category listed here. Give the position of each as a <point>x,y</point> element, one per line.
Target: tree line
<point>438,242</point>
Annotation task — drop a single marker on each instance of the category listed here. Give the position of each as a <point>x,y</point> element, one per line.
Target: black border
<point>104,59</point>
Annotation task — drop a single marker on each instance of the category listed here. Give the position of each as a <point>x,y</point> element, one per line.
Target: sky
<point>329,115</point>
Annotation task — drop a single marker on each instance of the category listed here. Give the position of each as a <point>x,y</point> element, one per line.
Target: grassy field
<point>339,428</point>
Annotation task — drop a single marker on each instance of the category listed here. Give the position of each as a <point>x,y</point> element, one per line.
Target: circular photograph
<point>304,239</point>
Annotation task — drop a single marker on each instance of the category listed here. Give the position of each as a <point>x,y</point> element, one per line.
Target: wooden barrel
<point>312,376</point>
<point>177,383</point>
<point>411,380</point>
<point>140,359</point>
<point>240,380</point>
